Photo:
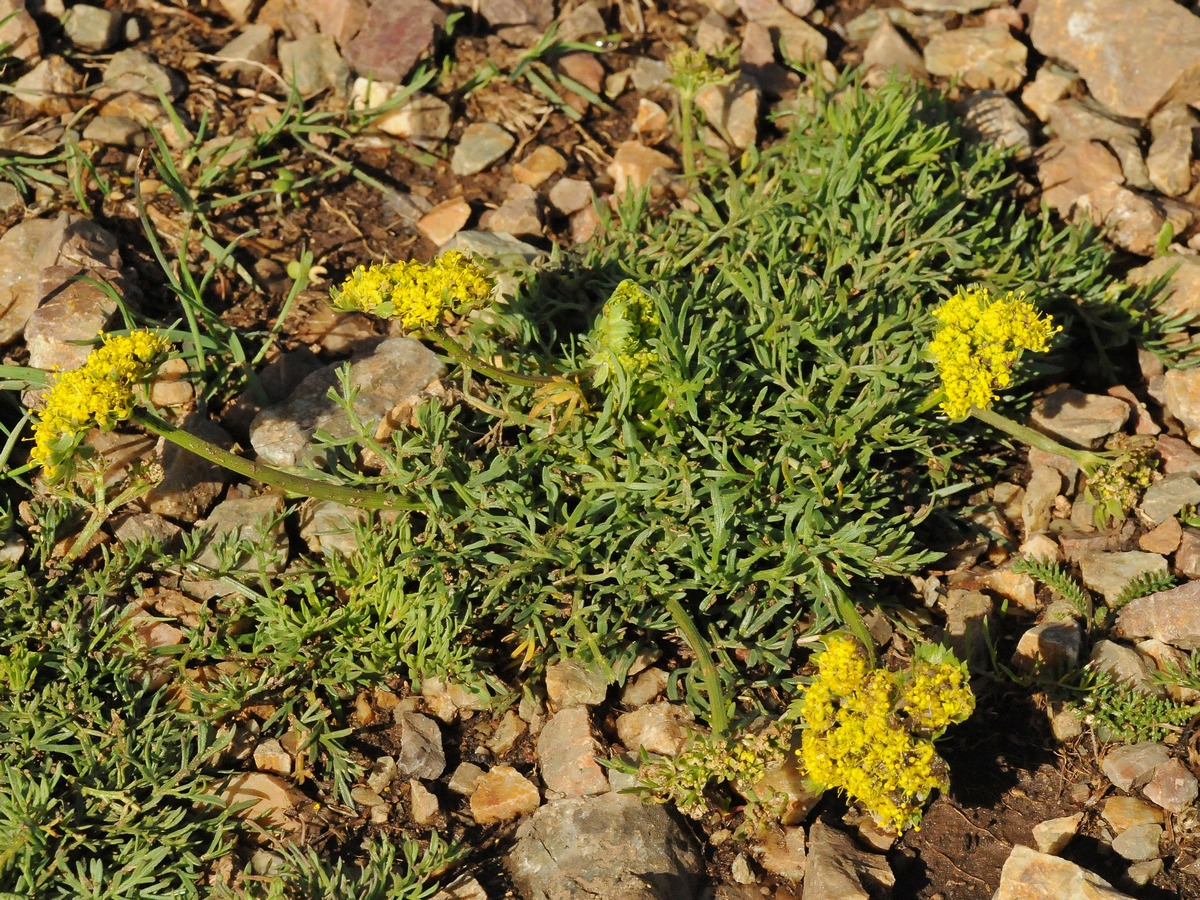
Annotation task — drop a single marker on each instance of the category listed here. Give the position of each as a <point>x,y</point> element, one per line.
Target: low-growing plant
<point>1129,714</point>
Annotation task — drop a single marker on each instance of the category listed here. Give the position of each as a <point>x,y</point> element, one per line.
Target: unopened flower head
<point>418,295</point>
<point>979,340</point>
<point>869,732</point>
<point>98,394</point>
<point>621,333</point>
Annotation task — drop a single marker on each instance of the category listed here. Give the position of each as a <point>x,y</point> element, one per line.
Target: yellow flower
<point>978,342</point>
<point>98,394</point>
<point>416,294</point>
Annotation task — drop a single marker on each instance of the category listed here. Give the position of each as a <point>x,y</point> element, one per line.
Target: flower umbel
<point>619,337</point>
<point>98,394</point>
<point>416,294</point>
<point>870,732</point>
<point>979,340</point>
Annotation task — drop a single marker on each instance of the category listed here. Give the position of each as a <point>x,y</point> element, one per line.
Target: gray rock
<point>421,753</point>
<point>1172,617</point>
<point>253,44</point>
<point>610,847</point>
<point>981,58</point>
<point>992,117</point>
<point>395,35</point>
<point>862,27</point>
<point>1084,420</point>
<point>518,215</point>
<point>392,373</point>
<point>781,852</point>
<point>1125,665</point>
<point>1165,498</point>
<point>1131,765</point>
<point>116,131</point>
<point>502,249</point>
<point>482,144</point>
<point>968,615</point>
<point>1028,874</point>
<point>574,682</point>
<point>1109,573</point>
<point>838,869</point>
<point>1173,787</point>
<point>134,71</point>
<point>649,75</point>
<point>328,527</point>
<point>313,64</point>
<point>1139,842</point>
<point>465,779</point>
<point>258,521</point>
<point>1051,647</point>
<point>51,87</point>
<point>92,28</point>
<point>1169,160</point>
<point>19,33</point>
<point>662,728</point>
<point>146,528</point>
<point>566,754</point>
<point>799,42</point>
<point>732,110</point>
<point>189,485</point>
<point>1132,64</point>
<point>571,195</point>
<point>538,13</point>
<point>1131,220</point>
<point>950,6</point>
<point>74,311</point>
<point>645,688</point>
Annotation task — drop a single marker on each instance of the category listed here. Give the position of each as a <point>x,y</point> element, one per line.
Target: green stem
<point>1085,459</point>
<point>292,484</point>
<point>469,360</point>
<point>687,129</point>
<point>718,717</point>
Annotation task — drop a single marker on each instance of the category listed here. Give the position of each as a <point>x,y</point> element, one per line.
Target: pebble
<point>1053,835</point>
<point>465,779</point>
<point>19,33</point>
<point>393,37</point>
<point>423,803</point>
<point>645,688</point>
<point>861,28</point>
<point>1068,170</point>
<point>570,195</point>
<point>462,888</point>
<point>1107,573</point>
<point>584,68</point>
<point>481,145</point>
<point>968,623</point>
<point>566,754</point>
<point>253,44</point>
<point>1123,813</point>
<point>1139,842</point>
<point>421,119</point>
<point>51,87</point>
<point>503,794</point>
<point>135,71</point>
<point>1083,420</point>
<point>1131,765</point>
<point>1075,120</point>
<point>574,682</point>
<point>799,42</point>
<point>838,869</point>
<point>328,527</point>
<point>651,124</point>
<point>189,485</point>
<point>992,117</point>
<point>581,22</point>
<point>1051,647</point>
<point>1182,295</point>
<point>890,52</point>
<point>382,774</point>
<point>1018,587</point>
<point>1045,483</point>
<point>516,12</point>
<point>662,728</point>
<point>950,6</point>
<point>1169,159</point>
<point>508,731</point>
<point>1131,220</point>
<point>538,166</point>
<point>625,839</point>
<point>1028,874</point>
<point>256,520</point>
<point>60,331</point>
<point>518,215</point>
<point>1124,664</point>
<point>649,75</point>
<point>1171,616</point>
<point>146,528</point>
<point>781,852</point>
<point>980,57</point>
<point>421,751</point>
<point>732,109</point>
<point>1050,85</point>
<point>116,131</point>
<point>1166,497</point>
<point>1173,787</point>
<point>635,166</point>
<point>271,800</point>
<point>92,28</point>
<point>445,220</point>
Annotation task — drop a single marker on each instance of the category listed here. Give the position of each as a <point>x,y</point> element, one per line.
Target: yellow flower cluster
<point>416,294</point>
<point>869,732</point>
<point>978,342</point>
<point>626,322</point>
<point>98,394</point>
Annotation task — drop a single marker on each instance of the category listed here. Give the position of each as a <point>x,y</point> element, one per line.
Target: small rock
<point>890,52</point>
<point>116,131</point>
<point>59,332</point>
<point>134,71</point>
<point>625,840</point>
<point>19,34</point>
<point>465,779</point>
<point>313,64</point>
<point>424,803</point>
<point>1109,573</point>
<point>382,774</point>
<point>1139,842</point>
<point>1050,646</point>
<point>1028,874</point>
<point>732,109</point>
<point>862,27</point>
<point>146,528</point>
<point>1018,587</point>
<point>502,249</point>
<point>1044,485</point>
<point>518,215</point>
<point>1048,87</point>
<point>713,34</point>
<point>273,800</point>
<point>1125,665</point>
<point>992,117</point>
<point>1182,294</point>
<point>1053,835</point>
<point>645,688</point>
<point>570,195</point>
<point>968,615</point>
<point>253,44</point>
<point>649,75</point>
<point>1072,169</point>
<point>585,223</point>
<point>1142,873</point>
<point>257,521</point>
<point>445,220</point>
<point>781,852</point>
<point>740,872</point>
<point>1123,813</point>
<point>52,87</point>
<point>584,68</point>
<point>1171,616</point>
<point>394,36</point>
<point>1073,120</point>
<point>421,752</point>
<point>507,733</point>
<point>463,888</point>
<point>1131,765</point>
<point>838,870</point>
<point>799,42</point>
<point>650,123</point>
<point>1182,396</point>
<point>329,527</point>
<point>92,28</point>
<point>540,165</point>
<point>482,144</point>
<point>567,752</point>
<point>573,682</point>
<point>1130,220</point>
<point>581,22</point>
<point>366,797</point>
<point>1172,787</point>
<point>635,166</point>
<point>981,58</point>
<point>499,13</point>
<point>1169,159</point>
<point>1084,420</point>
<point>662,728</point>
<point>422,119</point>
<point>503,794</point>
<point>1166,497</point>
<point>269,756</point>
<point>949,6</point>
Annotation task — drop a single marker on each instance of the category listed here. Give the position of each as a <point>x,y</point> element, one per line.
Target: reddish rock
<point>392,38</point>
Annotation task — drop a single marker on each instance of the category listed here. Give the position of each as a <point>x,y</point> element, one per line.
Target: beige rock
<point>421,118</point>
<point>503,794</point>
<point>1163,539</point>
<point>574,682</point>
<point>445,220</point>
<point>1169,159</point>
<point>651,123</point>
<point>636,166</point>
<point>1053,835</point>
<point>424,803</point>
<point>1130,220</point>
<point>661,728</point>
<point>269,756</point>
<point>538,166</point>
<point>982,57</point>
<point>837,867</point>
<point>569,195</point>
<point>1030,875</point>
<point>567,755</point>
<point>1172,787</point>
<point>781,852</point>
<point>889,51</point>
<point>1048,87</point>
<point>273,800</point>
<point>1069,170</point>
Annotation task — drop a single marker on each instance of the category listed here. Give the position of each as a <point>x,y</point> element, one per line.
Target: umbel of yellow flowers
<point>869,732</point>
<point>417,295</point>
<point>979,340</point>
<point>99,394</point>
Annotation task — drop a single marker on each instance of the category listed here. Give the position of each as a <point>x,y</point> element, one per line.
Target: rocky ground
<point>1093,96</point>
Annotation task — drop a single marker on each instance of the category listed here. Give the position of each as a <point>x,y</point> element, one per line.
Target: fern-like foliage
<point>1143,585</point>
<point>1058,579</point>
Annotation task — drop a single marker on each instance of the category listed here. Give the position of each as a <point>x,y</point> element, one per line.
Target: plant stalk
<point>469,360</point>
<point>1085,459</point>
<point>717,715</point>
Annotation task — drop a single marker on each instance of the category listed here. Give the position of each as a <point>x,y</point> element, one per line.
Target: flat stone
<point>424,803</point>
<point>980,57</point>
<point>1074,120</point>
<point>135,71</point>
<point>1045,484</point>
<point>74,311</point>
<point>1084,420</point>
<point>253,44</point>
<point>445,220</point>
<point>19,32</point>
<point>1123,813</point>
<point>584,68</point>
<point>1132,64</point>
<point>1108,573</point>
<point>1068,170</point>
<point>799,42</point>
<point>421,119</point>
<point>462,888</point>
<point>52,87</point>
<point>465,779</point>
<point>518,215</point>
<point>890,52</point>
<point>838,869</point>
<point>662,728</point>
<point>862,27</point>
<point>498,13</point>
<point>1165,658</point>
<point>1048,87</point>
<point>538,166</point>
<point>382,774</point>
<point>189,485</point>
<point>269,756</point>
<point>1187,557</point>
<point>1169,159</point>
<point>1130,220</point>
<point>1171,616</point>
<point>651,122</point>
<point>635,166</point>
<point>781,852</point>
<point>1142,873</point>
<point>329,527</point>
<point>394,36</point>
<point>1131,765</point>
<point>92,28</point>
<point>146,528</point>
<point>273,800</point>
<point>1139,842</point>
<point>482,144</point>
<point>605,848</point>
<point>503,794</point>
<point>256,520</point>
<point>733,110</point>
<point>1166,497</point>
<point>1052,647</point>
<point>393,373</point>
<point>1182,294</point>
<point>313,64</point>
<point>784,780</point>
<point>968,617</point>
<point>1018,587</point>
<point>116,131</point>
<point>1182,396</point>
<point>645,688</point>
<point>570,195</point>
<point>991,117</point>
<point>1028,874</point>
<point>583,21</point>
<point>1124,664</point>
<point>567,753</point>
<point>573,682</point>
<point>1173,787</point>
<point>446,698</point>
<point>1053,835</point>
<point>421,751</point>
